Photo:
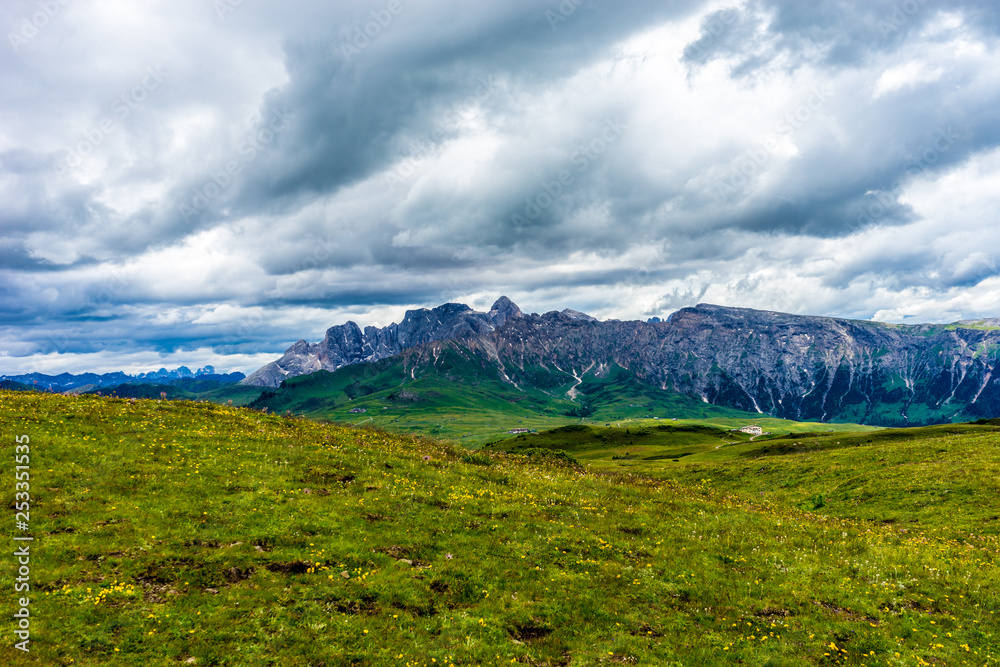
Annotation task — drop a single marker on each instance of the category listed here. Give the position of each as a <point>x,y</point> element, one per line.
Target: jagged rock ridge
<point>347,344</point>
<point>792,366</point>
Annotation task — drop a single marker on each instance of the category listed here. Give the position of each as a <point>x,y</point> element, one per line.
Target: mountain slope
<point>829,369</point>
<point>446,389</point>
<point>788,366</point>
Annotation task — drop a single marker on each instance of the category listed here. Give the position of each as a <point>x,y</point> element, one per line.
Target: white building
<point>753,429</point>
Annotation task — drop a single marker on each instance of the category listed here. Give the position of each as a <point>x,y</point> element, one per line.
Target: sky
<point>207,181</point>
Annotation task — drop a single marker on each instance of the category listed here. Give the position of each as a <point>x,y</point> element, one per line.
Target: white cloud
<point>907,75</point>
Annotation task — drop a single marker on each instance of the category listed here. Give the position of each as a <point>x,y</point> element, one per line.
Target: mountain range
<point>782,365</point>
<point>89,381</point>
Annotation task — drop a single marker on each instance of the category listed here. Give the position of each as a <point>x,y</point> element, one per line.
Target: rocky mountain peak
<point>301,345</point>
<point>504,309</point>
<point>577,315</point>
<point>347,344</point>
<point>450,308</point>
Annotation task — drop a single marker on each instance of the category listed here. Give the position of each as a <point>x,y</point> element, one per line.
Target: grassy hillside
<point>939,477</point>
<point>192,533</point>
<point>626,441</point>
<point>646,441</point>
<point>192,389</point>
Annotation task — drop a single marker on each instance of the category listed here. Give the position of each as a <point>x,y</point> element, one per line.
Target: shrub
<point>477,459</point>
<point>555,455</point>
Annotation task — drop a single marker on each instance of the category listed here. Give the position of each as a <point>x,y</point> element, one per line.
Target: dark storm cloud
<point>831,34</point>
<point>280,168</point>
<point>358,109</point>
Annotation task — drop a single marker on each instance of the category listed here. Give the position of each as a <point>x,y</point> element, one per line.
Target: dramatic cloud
<point>208,182</point>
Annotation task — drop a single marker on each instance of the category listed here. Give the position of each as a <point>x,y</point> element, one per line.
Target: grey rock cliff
<point>347,344</point>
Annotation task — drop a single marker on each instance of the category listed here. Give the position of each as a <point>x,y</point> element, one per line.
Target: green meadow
<point>173,533</point>
<point>650,440</point>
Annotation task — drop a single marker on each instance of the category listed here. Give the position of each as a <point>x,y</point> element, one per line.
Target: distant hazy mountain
<point>89,381</point>
<point>792,366</point>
